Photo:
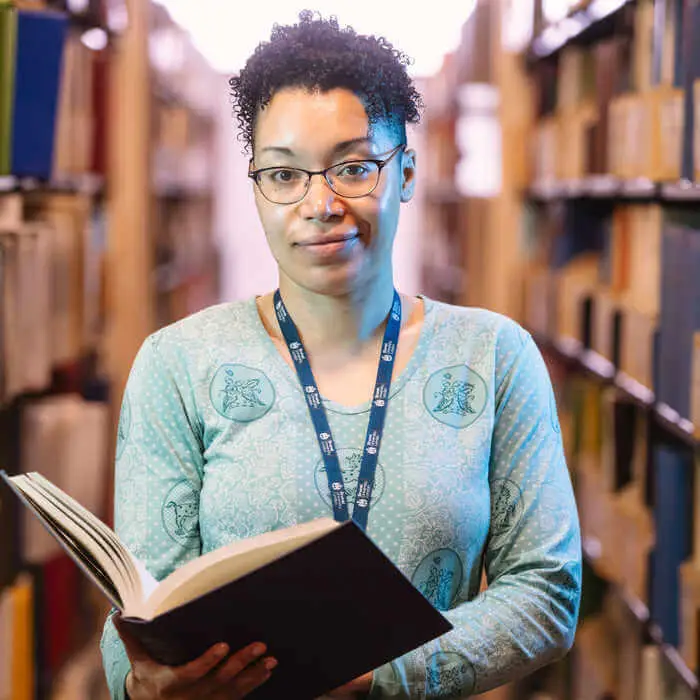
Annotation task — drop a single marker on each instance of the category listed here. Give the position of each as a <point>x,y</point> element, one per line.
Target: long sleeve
<point>527,616</point>
<point>158,479</point>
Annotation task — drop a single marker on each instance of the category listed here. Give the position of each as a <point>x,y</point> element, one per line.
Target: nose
<point>321,202</point>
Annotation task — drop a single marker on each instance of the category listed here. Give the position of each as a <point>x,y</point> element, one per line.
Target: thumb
<point>134,648</point>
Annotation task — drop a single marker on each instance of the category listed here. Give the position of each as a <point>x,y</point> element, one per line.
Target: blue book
<point>673,514</point>
<point>40,41</point>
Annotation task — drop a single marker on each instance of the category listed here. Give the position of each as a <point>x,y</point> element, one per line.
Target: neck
<point>339,323</point>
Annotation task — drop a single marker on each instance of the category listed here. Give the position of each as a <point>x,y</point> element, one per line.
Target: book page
<point>226,564</point>
<point>95,531</point>
<point>84,536</point>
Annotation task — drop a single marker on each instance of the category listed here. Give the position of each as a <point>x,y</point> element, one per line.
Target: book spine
<point>8,38</point>
<point>40,39</point>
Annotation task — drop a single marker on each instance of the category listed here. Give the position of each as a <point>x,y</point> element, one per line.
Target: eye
<point>355,170</point>
<point>284,176</point>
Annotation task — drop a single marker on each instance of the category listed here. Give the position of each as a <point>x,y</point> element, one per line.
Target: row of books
<point>67,437</point>
<point>613,659</point>
<point>624,106</point>
<point>51,258</point>
<point>637,497</point>
<point>54,93</point>
<point>623,282</point>
<point>44,616</point>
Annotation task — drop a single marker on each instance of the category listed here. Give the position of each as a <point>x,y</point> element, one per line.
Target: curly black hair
<point>317,54</point>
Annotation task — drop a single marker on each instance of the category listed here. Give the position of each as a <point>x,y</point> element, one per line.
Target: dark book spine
<point>691,72</point>
<point>40,40</point>
<point>673,510</point>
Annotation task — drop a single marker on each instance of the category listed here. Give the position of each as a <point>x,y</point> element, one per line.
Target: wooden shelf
<point>87,183</point>
<point>602,369</point>
<point>608,187</point>
<point>591,24</point>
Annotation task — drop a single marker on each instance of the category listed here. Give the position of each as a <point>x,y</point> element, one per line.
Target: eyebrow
<point>342,147</point>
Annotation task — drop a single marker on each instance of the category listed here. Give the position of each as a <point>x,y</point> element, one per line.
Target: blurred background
<point>558,155</point>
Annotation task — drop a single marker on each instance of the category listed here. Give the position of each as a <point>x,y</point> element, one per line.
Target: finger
<point>134,648</point>
<point>251,678</point>
<point>239,661</point>
<point>194,670</point>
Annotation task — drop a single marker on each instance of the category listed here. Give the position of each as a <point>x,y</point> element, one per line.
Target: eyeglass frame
<point>379,162</point>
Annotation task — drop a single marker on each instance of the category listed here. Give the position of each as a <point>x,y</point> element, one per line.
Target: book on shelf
<point>673,515</point>
<point>54,96</point>
<point>680,316</point>
<point>695,387</point>
<point>39,49</point>
<point>25,284</point>
<point>643,45</point>
<point>8,38</point>
<point>608,59</point>
<point>594,669</point>
<point>74,123</point>
<point>690,583</point>
<point>259,589</point>
<point>17,640</point>
<point>627,634</point>
<point>67,438</point>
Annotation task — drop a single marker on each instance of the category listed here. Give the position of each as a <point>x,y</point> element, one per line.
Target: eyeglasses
<point>351,178</point>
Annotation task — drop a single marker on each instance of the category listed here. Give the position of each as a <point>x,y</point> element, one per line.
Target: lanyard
<point>377,414</point>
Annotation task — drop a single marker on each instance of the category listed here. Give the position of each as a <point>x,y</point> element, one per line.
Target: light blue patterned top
<point>216,444</point>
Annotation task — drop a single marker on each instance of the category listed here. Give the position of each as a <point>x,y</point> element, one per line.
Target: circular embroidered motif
<point>449,675</point>
<point>455,396</point>
<point>180,514</point>
<point>439,577</point>
<point>563,588</point>
<point>350,460</point>
<point>124,426</point>
<point>242,394</point>
<point>506,510</point>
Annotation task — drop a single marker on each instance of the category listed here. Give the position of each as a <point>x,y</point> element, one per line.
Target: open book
<point>327,602</point>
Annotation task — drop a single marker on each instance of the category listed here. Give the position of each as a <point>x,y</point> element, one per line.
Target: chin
<point>333,283</point>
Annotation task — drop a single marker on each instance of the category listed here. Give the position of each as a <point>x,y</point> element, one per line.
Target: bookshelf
<point>97,249</point>
<point>592,237</point>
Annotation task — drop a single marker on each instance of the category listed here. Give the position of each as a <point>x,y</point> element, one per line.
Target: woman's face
<point>325,243</point>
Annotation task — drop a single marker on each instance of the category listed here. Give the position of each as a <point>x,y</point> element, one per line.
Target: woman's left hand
<point>358,688</point>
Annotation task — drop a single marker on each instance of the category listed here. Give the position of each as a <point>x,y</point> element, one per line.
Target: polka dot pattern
<point>494,492</point>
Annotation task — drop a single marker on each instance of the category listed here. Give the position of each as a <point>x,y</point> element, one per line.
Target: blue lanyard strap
<point>317,411</point>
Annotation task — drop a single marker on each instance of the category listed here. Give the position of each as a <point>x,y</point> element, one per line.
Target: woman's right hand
<point>205,677</point>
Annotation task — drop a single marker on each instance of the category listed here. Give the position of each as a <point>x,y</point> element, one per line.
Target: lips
<point>330,248</point>
<point>328,239</point>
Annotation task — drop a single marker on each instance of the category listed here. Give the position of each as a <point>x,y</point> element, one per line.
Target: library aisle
<point>558,184</point>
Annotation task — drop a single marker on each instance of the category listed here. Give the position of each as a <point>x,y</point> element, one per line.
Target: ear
<point>408,174</point>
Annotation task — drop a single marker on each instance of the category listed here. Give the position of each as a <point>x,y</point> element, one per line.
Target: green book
<point>8,38</point>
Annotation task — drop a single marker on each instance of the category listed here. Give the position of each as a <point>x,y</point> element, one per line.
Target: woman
<point>218,441</point>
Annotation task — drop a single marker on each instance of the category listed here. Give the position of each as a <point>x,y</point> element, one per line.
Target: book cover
<point>325,622</point>
<point>40,38</point>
